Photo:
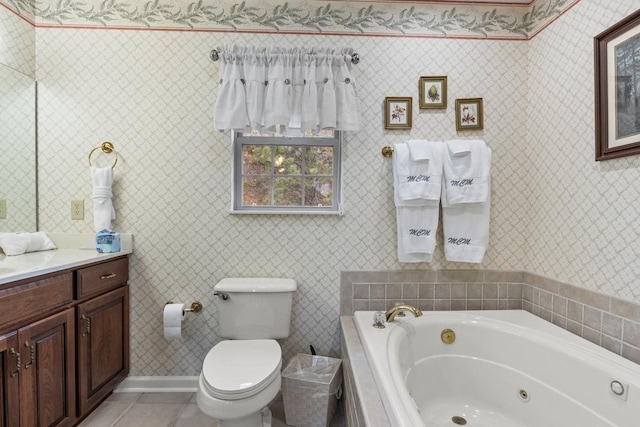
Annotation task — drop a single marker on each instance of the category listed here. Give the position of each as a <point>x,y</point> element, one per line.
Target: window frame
<point>238,140</point>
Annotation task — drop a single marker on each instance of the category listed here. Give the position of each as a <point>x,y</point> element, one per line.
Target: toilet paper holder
<point>196,307</point>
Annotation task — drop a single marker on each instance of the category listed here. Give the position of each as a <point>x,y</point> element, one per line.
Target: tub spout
<point>393,312</point>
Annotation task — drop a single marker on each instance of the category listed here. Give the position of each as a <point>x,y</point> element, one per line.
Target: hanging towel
<point>417,218</point>
<point>466,170</point>
<point>419,170</point>
<point>466,225</point>
<point>103,211</point>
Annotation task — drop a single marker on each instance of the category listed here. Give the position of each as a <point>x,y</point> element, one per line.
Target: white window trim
<point>236,190</point>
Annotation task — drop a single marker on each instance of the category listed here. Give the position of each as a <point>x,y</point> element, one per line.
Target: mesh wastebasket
<point>311,386</point>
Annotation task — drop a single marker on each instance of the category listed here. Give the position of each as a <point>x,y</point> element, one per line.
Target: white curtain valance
<point>261,88</point>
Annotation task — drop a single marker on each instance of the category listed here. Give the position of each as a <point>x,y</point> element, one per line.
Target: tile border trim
<point>608,321</point>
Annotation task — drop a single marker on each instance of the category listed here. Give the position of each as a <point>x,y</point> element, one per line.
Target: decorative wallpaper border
<point>482,21</point>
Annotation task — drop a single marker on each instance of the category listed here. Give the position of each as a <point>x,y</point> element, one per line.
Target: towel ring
<point>107,148</point>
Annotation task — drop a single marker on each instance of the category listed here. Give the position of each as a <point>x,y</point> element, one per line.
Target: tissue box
<point>107,241</point>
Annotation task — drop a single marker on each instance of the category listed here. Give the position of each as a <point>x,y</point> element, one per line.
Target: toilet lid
<point>236,369</point>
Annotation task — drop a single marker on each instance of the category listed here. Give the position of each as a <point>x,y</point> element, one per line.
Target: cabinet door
<point>103,346</point>
<point>48,371</point>
<point>10,365</point>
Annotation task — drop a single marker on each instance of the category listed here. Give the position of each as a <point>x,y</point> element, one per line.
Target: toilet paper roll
<point>172,319</point>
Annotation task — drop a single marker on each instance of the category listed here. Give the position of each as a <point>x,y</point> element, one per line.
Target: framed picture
<point>469,114</point>
<point>433,92</point>
<point>617,89</point>
<point>397,112</point>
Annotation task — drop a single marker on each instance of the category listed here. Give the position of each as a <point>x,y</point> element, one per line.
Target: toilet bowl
<point>241,376</point>
<point>238,380</point>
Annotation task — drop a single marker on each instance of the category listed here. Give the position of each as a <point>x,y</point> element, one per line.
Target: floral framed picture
<point>469,114</point>
<point>397,112</point>
<point>433,92</point>
<point>616,89</point>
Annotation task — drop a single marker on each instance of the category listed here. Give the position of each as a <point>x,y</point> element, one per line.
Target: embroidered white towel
<point>103,210</point>
<point>419,170</point>
<point>20,243</point>
<point>417,219</point>
<point>466,227</point>
<point>467,171</point>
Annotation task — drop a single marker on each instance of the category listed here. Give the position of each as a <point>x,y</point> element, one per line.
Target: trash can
<point>311,387</point>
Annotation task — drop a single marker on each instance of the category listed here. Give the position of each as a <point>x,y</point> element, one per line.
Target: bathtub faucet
<point>393,312</point>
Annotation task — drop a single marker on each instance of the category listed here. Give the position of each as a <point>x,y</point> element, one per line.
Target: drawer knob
<point>108,276</point>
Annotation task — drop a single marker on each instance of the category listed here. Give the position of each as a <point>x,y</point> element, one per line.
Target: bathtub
<point>506,368</point>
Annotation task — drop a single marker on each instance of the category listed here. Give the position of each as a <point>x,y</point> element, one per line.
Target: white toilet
<point>241,376</point>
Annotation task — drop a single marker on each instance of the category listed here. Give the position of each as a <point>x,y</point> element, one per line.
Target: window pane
<point>319,160</point>
<point>256,191</point>
<point>288,160</point>
<point>318,191</point>
<point>288,191</point>
<point>256,159</point>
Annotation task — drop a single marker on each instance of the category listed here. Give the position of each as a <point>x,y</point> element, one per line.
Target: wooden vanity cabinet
<point>103,346</point>
<point>64,343</point>
<point>9,380</point>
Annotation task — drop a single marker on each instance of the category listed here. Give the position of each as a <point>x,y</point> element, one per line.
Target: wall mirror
<point>18,174</point>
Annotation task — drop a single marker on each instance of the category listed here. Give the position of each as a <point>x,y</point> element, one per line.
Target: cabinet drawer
<point>24,302</point>
<point>102,277</point>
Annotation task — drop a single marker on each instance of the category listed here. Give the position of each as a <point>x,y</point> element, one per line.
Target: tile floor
<point>167,410</point>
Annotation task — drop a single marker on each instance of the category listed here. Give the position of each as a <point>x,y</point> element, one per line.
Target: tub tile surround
<point>609,322</point>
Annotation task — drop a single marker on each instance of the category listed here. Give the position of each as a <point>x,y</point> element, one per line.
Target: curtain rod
<point>215,55</point>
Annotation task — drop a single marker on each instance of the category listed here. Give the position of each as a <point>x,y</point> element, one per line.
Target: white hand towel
<point>416,232</point>
<point>20,243</point>
<point>417,180</point>
<point>103,210</point>
<point>466,171</point>
<point>466,228</point>
<point>419,149</point>
<point>417,218</point>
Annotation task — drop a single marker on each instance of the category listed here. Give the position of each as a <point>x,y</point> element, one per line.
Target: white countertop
<point>73,250</point>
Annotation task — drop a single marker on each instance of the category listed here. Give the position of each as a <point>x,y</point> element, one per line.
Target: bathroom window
<point>292,173</point>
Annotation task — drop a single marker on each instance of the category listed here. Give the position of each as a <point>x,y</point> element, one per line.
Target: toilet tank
<point>255,307</point>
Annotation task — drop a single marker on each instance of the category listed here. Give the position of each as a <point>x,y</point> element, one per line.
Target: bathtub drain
<point>459,420</point>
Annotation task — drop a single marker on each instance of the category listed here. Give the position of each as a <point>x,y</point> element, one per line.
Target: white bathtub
<point>505,369</point>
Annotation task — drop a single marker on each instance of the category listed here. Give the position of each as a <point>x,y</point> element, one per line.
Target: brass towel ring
<point>107,148</point>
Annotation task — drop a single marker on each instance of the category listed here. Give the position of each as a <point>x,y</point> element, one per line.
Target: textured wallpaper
<point>554,210</point>
<point>152,94</point>
<point>17,41</point>
<point>583,225</point>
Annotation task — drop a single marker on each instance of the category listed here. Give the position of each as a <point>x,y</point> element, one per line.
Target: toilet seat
<point>239,369</point>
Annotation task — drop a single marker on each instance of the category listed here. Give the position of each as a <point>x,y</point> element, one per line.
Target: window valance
<point>262,88</point>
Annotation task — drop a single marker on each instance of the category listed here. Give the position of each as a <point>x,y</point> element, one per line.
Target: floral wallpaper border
<point>299,16</point>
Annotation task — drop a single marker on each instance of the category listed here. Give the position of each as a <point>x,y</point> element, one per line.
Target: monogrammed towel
<point>466,168</point>
<point>466,225</point>
<point>416,217</point>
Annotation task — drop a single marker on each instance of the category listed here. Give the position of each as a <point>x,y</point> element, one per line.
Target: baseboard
<point>157,385</point>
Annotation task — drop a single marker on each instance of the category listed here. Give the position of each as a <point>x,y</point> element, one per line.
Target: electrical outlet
<point>77,209</point>
<point>3,209</point>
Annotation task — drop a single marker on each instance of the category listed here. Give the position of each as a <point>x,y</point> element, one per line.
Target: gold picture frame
<point>433,92</point>
<point>398,112</point>
<point>469,114</point>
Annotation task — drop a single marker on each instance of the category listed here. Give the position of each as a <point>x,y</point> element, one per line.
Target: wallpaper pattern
<point>300,16</point>
<point>555,211</point>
